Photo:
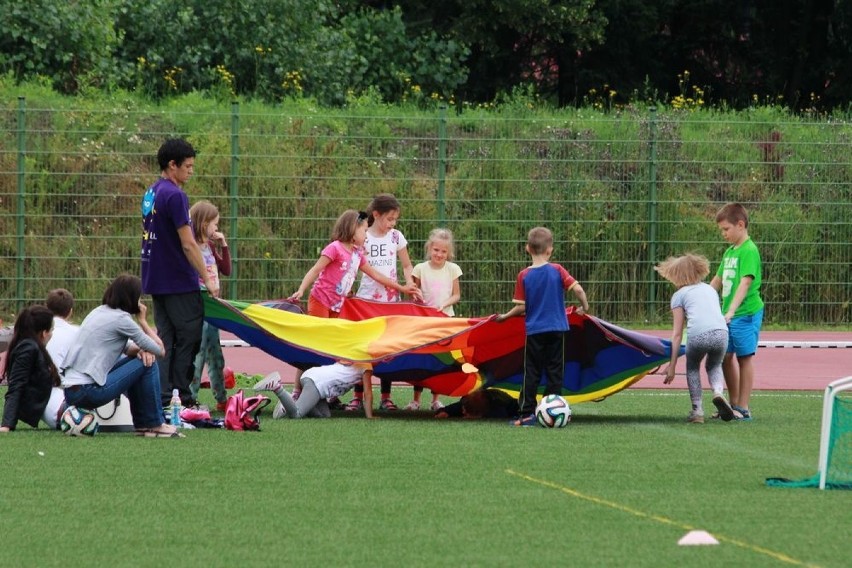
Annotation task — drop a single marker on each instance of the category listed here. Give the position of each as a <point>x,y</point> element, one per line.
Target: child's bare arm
<point>310,277</point>
<point>738,298</point>
<point>517,310</point>
<point>581,296</point>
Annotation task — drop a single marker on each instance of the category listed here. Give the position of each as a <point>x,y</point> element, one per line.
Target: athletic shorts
<point>743,334</point>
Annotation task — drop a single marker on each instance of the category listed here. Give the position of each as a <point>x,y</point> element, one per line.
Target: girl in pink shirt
<point>334,273</point>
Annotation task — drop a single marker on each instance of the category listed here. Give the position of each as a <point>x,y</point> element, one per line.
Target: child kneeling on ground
<point>319,384</point>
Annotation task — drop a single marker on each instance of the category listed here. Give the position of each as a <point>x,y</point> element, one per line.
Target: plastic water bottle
<point>175,404</point>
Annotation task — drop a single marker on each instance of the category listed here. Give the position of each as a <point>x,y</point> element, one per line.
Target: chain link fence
<point>620,192</point>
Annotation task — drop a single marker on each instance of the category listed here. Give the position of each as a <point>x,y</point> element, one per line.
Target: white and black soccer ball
<point>553,412</point>
<point>78,422</point>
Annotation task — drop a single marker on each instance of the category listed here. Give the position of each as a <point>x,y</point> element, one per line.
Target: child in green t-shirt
<point>738,279</point>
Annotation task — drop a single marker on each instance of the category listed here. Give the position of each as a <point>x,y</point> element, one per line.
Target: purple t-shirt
<point>165,268</point>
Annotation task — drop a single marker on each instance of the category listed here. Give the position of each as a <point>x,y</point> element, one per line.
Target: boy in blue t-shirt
<point>540,294</point>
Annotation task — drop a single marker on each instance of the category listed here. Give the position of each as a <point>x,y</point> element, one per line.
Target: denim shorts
<point>743,334</point>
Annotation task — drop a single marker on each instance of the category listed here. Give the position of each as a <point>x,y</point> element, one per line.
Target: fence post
<point>234,196</point>
<point>22,165</point>
<point>652,209</point>
<point>442,162</point>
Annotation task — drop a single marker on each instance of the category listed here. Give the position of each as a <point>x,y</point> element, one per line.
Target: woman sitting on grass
<point>29,371</point>
<point>96,371</point>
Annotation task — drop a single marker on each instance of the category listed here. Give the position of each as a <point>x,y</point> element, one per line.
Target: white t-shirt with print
<point>381,253</point>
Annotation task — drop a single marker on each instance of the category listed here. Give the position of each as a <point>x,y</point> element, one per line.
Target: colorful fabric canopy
<point>451,356</point>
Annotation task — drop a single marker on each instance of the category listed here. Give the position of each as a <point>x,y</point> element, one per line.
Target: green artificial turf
<point>618,487</point>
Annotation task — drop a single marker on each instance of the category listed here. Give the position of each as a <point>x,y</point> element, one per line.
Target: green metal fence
<point>620,192</point>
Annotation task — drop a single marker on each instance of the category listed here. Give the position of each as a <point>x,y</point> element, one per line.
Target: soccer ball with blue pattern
<point>553,412</point>
<point>78,422</point>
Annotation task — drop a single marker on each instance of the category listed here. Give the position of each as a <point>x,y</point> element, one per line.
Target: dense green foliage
<point>620,486</point>
<point>571,52</point>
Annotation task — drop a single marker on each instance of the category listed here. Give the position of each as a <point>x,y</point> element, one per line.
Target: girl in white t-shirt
<point>385,250</point>
<point>697,303</point>
<point>438,280</point>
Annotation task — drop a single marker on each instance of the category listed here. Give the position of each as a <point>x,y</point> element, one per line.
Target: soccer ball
<point>78,422</point>
<point>553,412</point>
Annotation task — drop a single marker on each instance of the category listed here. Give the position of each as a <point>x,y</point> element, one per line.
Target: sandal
<point>159,432</point>
<point>744,413</point>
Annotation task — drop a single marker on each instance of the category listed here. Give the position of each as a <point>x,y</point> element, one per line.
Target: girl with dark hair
<point>29,371</point>
<point>96,371</point>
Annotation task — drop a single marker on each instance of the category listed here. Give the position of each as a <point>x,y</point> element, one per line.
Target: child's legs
<point>744,335</point>
<point>307,400</point>
<point>385,388</point>
<point>532,375</point>
<point>713,364</point>
<point>554,359</point>
<point>216,364</point>
<point>695,352</point>
<point>732,377</point>
<point>199,362</point>
<point>418,391</point>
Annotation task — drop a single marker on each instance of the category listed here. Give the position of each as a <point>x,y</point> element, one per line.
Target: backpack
<point>242,413</point>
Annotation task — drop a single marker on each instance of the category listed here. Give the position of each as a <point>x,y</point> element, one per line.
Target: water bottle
<point>175,404</point>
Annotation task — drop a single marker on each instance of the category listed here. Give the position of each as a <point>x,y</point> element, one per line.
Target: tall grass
<point>587,175</point>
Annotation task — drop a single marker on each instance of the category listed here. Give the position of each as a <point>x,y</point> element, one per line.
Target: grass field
<point>618,487</point>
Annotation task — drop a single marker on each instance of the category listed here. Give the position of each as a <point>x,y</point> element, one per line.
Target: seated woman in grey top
<point>115,353</point>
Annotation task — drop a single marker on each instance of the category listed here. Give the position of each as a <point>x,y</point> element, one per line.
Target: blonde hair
<point>200,214</point>
<point>539,239</point>
<point>684,270</point>
<point>441,235</point>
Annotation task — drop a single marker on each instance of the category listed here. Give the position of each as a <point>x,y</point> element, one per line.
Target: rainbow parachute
<point>451,356</point>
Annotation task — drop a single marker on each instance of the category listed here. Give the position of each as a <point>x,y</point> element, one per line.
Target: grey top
<point>100,342</point>
<point>700,303</point>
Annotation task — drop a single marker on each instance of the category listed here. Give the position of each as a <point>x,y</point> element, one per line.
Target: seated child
<point>481,403</point>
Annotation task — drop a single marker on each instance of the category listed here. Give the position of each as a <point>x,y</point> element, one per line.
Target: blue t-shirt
<point>165,268</point>
<point>542,291</point>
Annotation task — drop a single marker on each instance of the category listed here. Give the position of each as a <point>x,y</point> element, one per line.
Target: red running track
<point>778,368</point>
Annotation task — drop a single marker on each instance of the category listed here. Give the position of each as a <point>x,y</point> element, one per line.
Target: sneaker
<point>726,413</point>
<point>279,411</point>
<point>387,405</point>
<point>413,405</point>
<point>269,383</point>
<point>437,405</point>
<point>695,417</point>
<point>355,405</point>
<point>528,420</point>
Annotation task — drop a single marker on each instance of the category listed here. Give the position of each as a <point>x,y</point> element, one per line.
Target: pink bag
<point>241,412</point>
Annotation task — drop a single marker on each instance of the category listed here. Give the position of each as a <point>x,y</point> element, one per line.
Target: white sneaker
<point>437,405</point>
<point>413,405</point>
<point>269,382</point>
<point>279,411</point>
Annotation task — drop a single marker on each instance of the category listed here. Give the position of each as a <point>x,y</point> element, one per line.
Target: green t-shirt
<point>738,262</point>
